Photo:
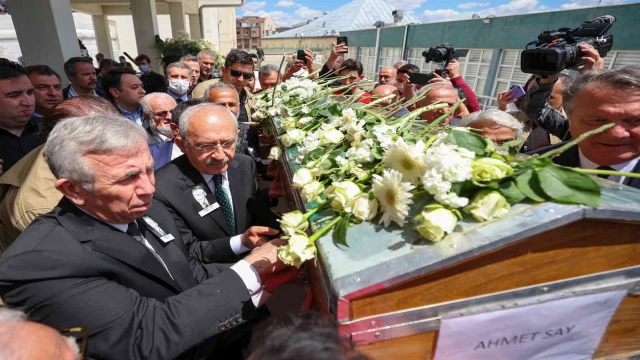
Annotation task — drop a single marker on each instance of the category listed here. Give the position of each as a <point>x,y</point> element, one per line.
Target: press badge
<point>156,229</point>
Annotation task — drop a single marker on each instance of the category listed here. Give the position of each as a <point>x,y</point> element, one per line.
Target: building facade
<point>250,30</point>
<point>493,62</point>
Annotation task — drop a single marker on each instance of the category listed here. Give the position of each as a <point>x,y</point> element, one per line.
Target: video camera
<point>566,53</point>
<point>443,53</point>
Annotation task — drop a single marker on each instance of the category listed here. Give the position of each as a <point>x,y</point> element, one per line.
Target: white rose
<point>298,250</point>
<point>363,208</point>
<point>311,191</point>
<point>451,199</point>
<point>275,153</point>
<point>331,136</point>
<point>487,205</point>
<point>292,222</point>
<point>273,111</point>
<point>434,223</point>
<point>342,194</point>
<point>292,137</point>
<point>302,177</point>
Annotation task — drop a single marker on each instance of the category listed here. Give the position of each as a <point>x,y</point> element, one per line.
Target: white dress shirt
<point>175,150</point>
<point>184,97</point>
<point>623,167</point>
<point>73,93</point>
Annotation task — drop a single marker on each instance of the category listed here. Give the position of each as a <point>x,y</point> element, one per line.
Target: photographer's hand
<point>593,60</point>
<point>504,99</point>
<point>439,79</point>
<point>453,69</point>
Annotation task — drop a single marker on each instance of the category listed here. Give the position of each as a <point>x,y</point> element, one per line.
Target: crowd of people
<point>131,205</point>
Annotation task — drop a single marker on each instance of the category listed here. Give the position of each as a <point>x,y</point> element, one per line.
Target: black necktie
<point>135,233</point>
<point>605,167</point>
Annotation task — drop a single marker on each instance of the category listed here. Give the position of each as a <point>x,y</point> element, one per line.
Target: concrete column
<point>194,27</point>
<point>103,35</point>
<point>145,26</point>
<point>176,12</point>
<point>46,36</point>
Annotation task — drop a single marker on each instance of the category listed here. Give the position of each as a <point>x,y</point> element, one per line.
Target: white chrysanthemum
<point>452,199</point>
<point>348,116</point>
<point>393,195</point>
<point>385,134</point>
<point>407,159</point>
<point>360,154</point>
<point>452,162</point>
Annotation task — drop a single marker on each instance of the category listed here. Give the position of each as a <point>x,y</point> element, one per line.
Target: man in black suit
<point>151,80</point>
<point>19,128</point>
<point>207,136</point>
<point>113,260</point>
<point>594,99</point>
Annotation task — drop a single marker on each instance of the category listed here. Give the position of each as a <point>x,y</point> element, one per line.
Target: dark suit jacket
<point>153,82</point>
<point>69,269</point>
<point>571,158</point>
<point>174,185</point>
<point>161,153</point>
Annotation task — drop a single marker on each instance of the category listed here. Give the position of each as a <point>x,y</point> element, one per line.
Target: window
<point>352,53</point>
<point>367,57</point>
<point>509,74</point>
<point>389,56</point>
<point>416,58</point>
<point>246,32</point>
<point>254,40</point>
<point>474,68</point>
<point>618,59</point>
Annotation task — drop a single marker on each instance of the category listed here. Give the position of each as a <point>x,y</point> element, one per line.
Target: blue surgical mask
<point>144,68</point>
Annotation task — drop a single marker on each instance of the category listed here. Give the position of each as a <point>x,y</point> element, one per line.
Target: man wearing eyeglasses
<point>237,71</point>
<point>235,218</point>
<point>156,110</point>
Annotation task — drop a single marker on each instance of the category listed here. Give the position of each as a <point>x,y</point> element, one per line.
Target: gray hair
<point>401,62</point>
<point>266,70</point>
<point>147,99</point>
<point>498,117</point>
<point>626,78</point>
<point>190,58</point>
<point>9,320</point>
<point>220,85</point>
<point>179,65</point>
<point>73,138</point>
<point>206,52</point>
<point>438,86</point>
<point>213,109</point>
<point>12,315</point>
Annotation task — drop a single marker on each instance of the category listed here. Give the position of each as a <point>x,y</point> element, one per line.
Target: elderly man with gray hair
<point>98,260</point>
<point>157,109</point>
<point>596,98</point>
<point>496,125</point>
<point>24,339</point>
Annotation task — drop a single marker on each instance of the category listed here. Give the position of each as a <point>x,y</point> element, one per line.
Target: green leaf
<point>510,144</point>
<point>566,186</point>
<point>510,191</point>
<point>334,109</point>
<point>325,113</point>
<point>340,230</point>
<point>469,141</point>
<point>529,185</point>
<point>314,155</point>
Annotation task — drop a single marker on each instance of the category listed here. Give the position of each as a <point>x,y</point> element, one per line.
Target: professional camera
<point>443,53</point>
<point>566,52</point>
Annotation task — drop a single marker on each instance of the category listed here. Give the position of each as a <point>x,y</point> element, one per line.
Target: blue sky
<point>288,12</point>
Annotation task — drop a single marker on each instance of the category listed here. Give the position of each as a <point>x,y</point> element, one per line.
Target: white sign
<point>208,209</point>
<point>564,329</point>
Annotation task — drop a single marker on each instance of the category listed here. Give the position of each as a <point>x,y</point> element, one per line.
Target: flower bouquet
<point>361,163</point>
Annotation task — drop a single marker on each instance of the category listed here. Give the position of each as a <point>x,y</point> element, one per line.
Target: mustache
<point>211,161</point>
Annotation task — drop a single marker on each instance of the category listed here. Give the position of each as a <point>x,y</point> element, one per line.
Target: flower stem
<point>325,229</point>
<point>606,172</point>
<point>570,144</point>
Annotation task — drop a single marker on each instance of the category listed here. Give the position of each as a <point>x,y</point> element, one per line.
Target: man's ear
<point>178,141</point>
<point>72,191</point>
<point>361,76</point>
<point>114,92</point>
<point>224,69</point>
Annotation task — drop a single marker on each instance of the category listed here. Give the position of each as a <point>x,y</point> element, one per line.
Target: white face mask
<point>178,87</point>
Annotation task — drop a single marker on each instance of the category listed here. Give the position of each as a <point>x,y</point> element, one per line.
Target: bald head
<point>384,91</point>
<point>25,340</point>
<point>387,75</point>
<point>208,134</point>
<point>443,93</point>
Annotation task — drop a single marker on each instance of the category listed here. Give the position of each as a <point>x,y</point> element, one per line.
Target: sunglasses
<point>236,73</point>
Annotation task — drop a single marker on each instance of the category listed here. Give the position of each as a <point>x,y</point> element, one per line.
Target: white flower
<point>292,222</point>
<point>487,169</point>
<point>487,205</point>
<point>331,136</point>
<point>298,250</point>
<point>348,116</point>
<point>451,199</point>
<point>275,153</point>
<point>434,223</point>
<point>385,134</point>
<point>393,195</point>
<point>305,109</point>
<point>292,137</point>
<point>342,194</point>
<point>446,164</point>
<point>341,161</point>
<point>302,121</point>
<point>356,170</point>
<point>360,154</point>
<point>273,111</point>
<point>302,177</point>
<point>311,191</point>
<point>363,208</point>
<point>407,159</point>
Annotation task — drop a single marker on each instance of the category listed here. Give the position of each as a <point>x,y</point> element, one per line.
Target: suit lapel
<point>191,179</point>
<point>237,184</point>
<point>569,158</point>
<point>172,256</point>
<point>634,182</point>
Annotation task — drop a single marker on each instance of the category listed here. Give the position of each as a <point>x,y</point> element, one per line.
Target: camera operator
<point>453,70</point>
<point>538,102</point>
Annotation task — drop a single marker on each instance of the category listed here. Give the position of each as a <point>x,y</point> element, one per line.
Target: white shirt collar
<point>624,167</point>
<point>207,177</point>
<point>121,227</point>
<point>73,93</point>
